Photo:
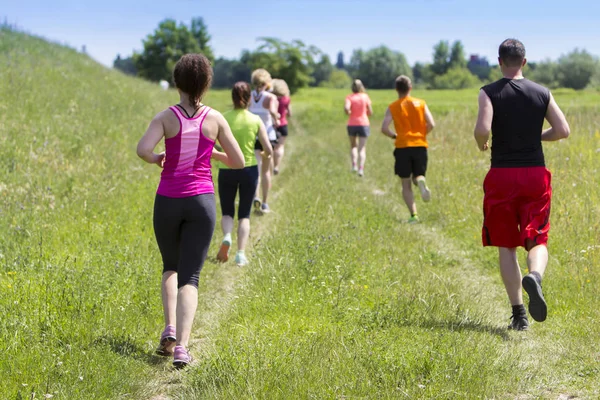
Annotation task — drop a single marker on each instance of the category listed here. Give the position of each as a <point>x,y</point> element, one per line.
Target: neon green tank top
<point>244,126</point>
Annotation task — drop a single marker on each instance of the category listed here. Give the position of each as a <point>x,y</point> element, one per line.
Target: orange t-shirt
<point>359,103</point>
<point>408,114</point>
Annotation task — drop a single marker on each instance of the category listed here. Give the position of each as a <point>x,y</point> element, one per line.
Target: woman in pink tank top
<point>282,91</point>
<point>184,208</point>
<point>358,107</point>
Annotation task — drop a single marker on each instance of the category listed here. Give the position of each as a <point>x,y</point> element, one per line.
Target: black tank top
<point>519,110</point>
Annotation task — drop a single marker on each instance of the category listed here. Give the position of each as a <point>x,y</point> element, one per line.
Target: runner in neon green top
<point>246,128</point>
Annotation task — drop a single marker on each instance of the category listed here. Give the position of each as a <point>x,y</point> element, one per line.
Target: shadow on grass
<point>128,348</point>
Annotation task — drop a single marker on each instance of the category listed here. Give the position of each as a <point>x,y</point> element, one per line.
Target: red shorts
<point>516,206</point>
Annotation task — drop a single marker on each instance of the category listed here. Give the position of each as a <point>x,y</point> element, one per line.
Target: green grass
<point>343,299</point>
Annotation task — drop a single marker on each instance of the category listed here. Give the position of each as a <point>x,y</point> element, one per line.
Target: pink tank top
<point>284,103</point>
<point>187,169</point>
<point>359,103</point>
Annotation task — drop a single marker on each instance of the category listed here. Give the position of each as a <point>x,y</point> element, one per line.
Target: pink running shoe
<point>167,341</point>
<point>181,357</point>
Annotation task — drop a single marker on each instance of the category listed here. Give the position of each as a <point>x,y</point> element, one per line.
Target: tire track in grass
<point>219,285</point>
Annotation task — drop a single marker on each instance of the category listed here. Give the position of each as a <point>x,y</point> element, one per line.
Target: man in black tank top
<point>517,188</point>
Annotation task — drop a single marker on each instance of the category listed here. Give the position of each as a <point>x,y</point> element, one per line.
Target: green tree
<point>200,32</point>
<point>545,73</point>
<point>163,48</point>
<point>291,62</point>
<point>338,79</point>
<point>575,70</point>
<point>322,70</point>
<point>378,67</point>
<point>227,72</point>
<point>419,72</point>
<point>340,61</point>
<point>125,65</point>
<point>457,56</point>
<point>456,78</point>
<point>441,55</point>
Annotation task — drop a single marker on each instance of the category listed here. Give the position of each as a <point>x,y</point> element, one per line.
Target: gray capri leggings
<point>184,229</point>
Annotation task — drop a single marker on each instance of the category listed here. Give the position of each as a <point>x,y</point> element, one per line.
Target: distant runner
<point>517,188</point>
<point>412,122</point>
<point>281,90</point>
<point>358,107</point>
<point>247,128</point>
<point>184,209</point>
<point>264,104</point>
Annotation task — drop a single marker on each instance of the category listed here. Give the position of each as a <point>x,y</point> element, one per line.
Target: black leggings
<point>184,229</point>
<point>230,181</point>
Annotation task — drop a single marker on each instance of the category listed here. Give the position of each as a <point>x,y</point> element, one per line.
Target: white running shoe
<point>425,192</point>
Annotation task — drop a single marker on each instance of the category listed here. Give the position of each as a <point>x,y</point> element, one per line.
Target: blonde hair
<point>357,86</point>
<point>280,88</point>
<point>261,77</point>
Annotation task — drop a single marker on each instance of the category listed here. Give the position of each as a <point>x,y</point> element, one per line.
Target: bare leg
<point>187,302</point>
<point>537,258</point>
<point>408,196</point>
<point>169,296</point>
<point>243,233</point>
<point>227,224</point>
<point>259,158</point>
<point>362,152</point>
<point>511,274</point>
<point>354,151</point>
<point>265,172</point>
<point>278,153</point>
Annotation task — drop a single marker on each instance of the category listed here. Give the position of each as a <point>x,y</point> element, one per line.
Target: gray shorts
<point>360,131</point>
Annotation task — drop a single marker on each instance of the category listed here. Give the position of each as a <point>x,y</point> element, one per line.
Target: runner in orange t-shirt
<point>412,122</point>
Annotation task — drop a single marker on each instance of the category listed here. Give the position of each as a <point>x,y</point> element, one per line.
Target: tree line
<point>303,65</point>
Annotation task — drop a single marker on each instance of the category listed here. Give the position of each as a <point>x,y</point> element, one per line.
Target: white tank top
<point>256,107</point>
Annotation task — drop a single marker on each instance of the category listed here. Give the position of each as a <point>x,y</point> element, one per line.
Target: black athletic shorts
<point>258,146</point>
<point>360,131</point>
<point>233,181</point>
<point>410,161</point>
<point>282,130</point>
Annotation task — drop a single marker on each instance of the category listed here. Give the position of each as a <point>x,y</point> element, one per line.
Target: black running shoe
<point>537,305</point>
<point>519,323</point>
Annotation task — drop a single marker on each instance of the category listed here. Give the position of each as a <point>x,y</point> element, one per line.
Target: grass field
<point>342,299</point>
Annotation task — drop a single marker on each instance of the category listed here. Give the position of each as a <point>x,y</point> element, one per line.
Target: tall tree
<point>125,65</point>
<point>575,70</point>
<point>441,53</point>
<point>163,48</point>
<point>200,32</point>
<point>457,56</point>
<point>340,61</point>
<point>322,70</point>
<point>378,67</point>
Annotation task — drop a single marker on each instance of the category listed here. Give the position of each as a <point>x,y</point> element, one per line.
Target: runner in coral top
<point>358,107</point>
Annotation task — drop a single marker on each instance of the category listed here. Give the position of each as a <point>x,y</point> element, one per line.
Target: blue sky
<point>548,28</point>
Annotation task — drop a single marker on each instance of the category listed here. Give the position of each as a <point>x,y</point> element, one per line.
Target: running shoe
<point>275,171</point>
<point>257,203</point>
<point>354,168</point>
<point>519,323</point>
<point>425,193</point>
<point>361,172</point>
<point>167,341</point>
<point>537,304</point>
<point>265,208</point>
<point>181,357</point>
<point>414,219</point>
<point>223,254</point>
<point>240,259</point>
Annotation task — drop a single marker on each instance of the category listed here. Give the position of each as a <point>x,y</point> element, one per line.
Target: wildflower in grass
<point>11,273</point>
<point>9,286</point>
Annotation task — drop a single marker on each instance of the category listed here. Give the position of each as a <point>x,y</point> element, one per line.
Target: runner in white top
<point>264,104</point>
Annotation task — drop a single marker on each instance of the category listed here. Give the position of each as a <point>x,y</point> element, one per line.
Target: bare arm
<point>347,106</point>
<point>289,108</point>
<point>263,138</point>
<point>146,145</point>
<point>272,106</point>
<point>232,155</point>
<point>559,126</point>
<point>385,126</point>
<point>484,121</point>
<point>369,108</point>
<point>429,119</point>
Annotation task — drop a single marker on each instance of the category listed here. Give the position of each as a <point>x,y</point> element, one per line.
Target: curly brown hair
<point>193,75</point>
<point>240,95</point>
